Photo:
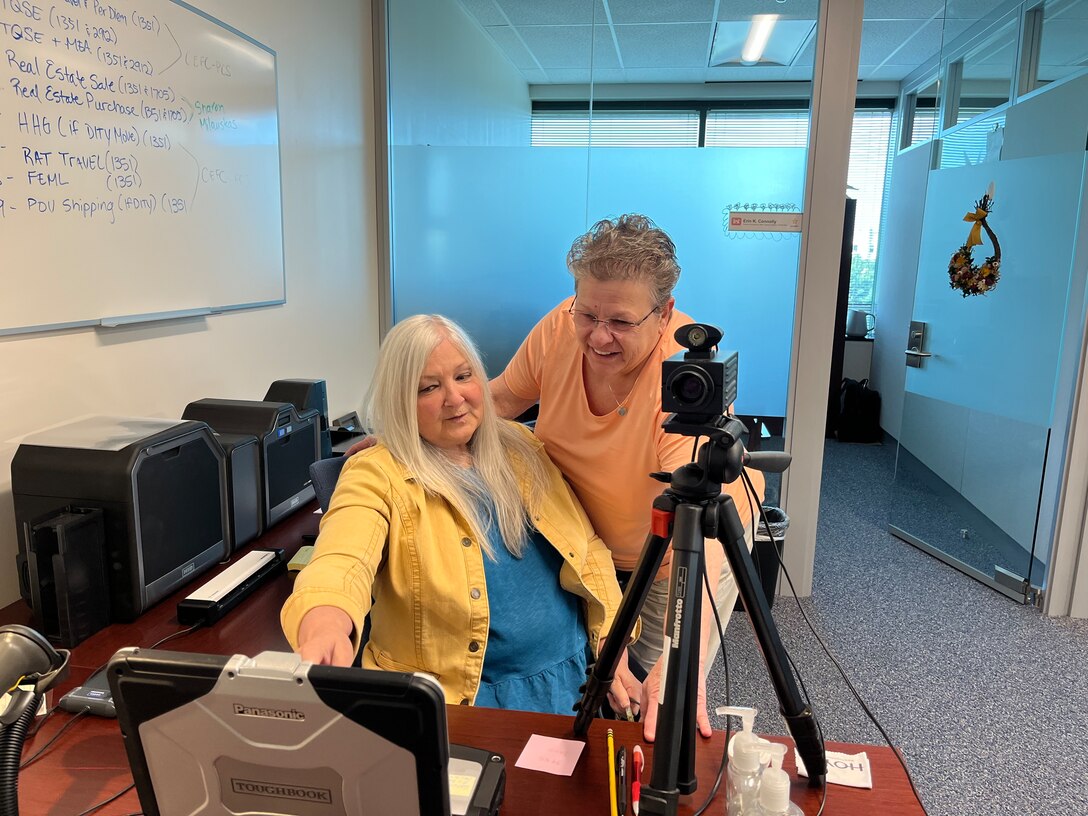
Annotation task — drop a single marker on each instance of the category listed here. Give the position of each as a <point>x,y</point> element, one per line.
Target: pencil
<point>612,774</point>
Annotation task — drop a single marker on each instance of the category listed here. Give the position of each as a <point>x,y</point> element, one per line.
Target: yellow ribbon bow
<point>978,216</point>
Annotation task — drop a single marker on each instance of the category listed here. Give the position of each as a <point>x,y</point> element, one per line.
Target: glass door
<point>515,126</point>
<point>983,347</point>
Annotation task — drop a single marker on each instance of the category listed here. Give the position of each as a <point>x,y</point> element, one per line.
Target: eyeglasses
<point>584,321</point>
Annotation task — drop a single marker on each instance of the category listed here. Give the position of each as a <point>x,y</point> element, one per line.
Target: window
<point>615,128</point>
<point>745,128</point>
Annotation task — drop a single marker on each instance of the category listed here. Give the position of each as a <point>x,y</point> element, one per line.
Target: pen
<point>621,782</point>
<point>638,760</point>
<point>611,774</point>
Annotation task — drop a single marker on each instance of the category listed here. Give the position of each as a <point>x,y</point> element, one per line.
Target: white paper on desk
<point>551,755</point>
<point>851,770</point>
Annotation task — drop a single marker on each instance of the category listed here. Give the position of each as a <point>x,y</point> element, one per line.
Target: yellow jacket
<point>415,553</point>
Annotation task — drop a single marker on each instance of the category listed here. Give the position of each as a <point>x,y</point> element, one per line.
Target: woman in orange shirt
<point>594,365</point>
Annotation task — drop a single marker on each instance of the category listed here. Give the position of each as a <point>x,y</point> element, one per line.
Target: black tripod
<point>690,510</point>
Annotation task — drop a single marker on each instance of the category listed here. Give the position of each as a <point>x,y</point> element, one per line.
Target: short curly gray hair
<point>631,247</point>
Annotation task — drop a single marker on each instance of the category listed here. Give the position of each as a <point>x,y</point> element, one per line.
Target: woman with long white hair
<point>483,568</point>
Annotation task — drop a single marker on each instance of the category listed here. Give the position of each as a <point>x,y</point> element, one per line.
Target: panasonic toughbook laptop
<point>209,734</point>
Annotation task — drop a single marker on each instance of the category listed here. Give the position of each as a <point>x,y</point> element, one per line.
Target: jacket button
<point>466,542</point>
<point>571,555</point>
<point>475,594</point>
<point>474,646</point>
<point>464,701</point>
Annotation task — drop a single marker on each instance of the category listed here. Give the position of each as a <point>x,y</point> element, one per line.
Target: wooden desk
<point>88,764</point>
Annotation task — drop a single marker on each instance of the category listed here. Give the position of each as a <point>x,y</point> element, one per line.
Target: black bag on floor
<point>859,413</point>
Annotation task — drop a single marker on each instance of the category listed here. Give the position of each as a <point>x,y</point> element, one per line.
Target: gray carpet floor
<point>987,699</point>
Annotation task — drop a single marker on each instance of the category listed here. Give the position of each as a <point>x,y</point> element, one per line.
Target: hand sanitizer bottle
<point>745,767</point>
<point>774,787</point>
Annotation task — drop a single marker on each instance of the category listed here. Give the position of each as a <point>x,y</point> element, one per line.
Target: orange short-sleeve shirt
<point>607,459</point>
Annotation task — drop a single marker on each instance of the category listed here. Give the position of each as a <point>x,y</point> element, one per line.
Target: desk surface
<point>88,765</point>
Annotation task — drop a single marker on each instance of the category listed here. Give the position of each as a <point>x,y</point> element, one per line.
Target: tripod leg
<point>674,753</point>
<point>604,670</point>
<point>799,717</point>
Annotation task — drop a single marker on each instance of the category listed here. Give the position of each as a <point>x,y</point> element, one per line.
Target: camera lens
<point>690,387</point>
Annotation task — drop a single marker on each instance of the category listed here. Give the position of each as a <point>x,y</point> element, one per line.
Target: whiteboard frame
<point>122,321</point>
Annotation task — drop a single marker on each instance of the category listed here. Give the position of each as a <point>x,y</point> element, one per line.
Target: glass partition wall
<point>990,369</point>
<point>514,126</point>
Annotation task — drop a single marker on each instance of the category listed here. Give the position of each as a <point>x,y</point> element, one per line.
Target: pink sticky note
<point>551,755</point>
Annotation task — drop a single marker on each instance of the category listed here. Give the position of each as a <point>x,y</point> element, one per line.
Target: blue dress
<point>536,643</point>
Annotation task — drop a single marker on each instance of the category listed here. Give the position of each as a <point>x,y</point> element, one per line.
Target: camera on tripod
<point>699,384</point>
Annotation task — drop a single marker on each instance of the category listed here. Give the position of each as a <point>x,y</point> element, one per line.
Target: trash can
<point>763,550</point>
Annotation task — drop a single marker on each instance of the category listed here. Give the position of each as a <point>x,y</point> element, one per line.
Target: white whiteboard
<point>139,165</point>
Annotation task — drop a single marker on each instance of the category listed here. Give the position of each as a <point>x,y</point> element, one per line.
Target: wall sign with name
<point>759,221</point>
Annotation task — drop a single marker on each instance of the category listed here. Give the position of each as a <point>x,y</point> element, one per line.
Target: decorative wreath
<point>963,274</point>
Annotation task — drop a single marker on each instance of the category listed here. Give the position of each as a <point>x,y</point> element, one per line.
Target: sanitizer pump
<point>774,787</point>
<point>745,765</point>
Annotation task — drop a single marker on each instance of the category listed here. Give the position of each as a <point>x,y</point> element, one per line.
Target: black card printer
<point>288,443</point>
<point>161,486</point>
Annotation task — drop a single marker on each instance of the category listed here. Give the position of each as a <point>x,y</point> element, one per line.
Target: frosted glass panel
<point>481,235</point>
<point>998,353</point>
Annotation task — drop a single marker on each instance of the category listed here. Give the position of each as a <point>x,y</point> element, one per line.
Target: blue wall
<point>481,234</point>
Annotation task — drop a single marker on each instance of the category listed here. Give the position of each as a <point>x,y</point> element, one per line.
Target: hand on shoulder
<point>368,441</point>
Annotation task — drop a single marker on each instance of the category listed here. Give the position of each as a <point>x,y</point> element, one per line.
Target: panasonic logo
<point>296,792</point>
<point>270,713</point>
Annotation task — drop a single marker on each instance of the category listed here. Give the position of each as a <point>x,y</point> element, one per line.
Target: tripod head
<point>721,459</point>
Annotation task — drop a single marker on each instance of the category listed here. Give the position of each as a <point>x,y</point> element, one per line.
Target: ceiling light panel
<point>787,39</point>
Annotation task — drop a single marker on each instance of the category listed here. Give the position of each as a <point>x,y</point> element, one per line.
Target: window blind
<point>736,128</point>
<point>615,128</point>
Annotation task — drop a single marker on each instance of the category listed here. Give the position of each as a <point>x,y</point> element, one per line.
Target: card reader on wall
<point>230,587</point>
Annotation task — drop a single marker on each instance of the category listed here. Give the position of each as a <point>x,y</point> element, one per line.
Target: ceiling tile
<point>974,9</point>
<point>655,11</point>
<point>513,48</point>
<point>884,39</point>
<point>485,12</point>
<point>563,47</point>
<point>553,12</point>
<point>902,10</point>
<point>885,72</point>
<point>791,9</point>
<point>681,45</point>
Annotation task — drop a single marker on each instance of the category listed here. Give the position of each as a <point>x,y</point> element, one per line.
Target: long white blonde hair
<point>495,447</point>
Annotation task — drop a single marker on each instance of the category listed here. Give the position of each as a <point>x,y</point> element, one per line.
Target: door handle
<point>914,352</point>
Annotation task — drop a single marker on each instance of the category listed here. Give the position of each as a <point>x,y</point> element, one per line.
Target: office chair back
<point>323,474</point>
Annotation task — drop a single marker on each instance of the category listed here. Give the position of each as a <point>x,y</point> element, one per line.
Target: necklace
<point>621,408</point>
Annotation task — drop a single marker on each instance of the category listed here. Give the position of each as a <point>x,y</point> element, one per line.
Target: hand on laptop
<point>324,637</point>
